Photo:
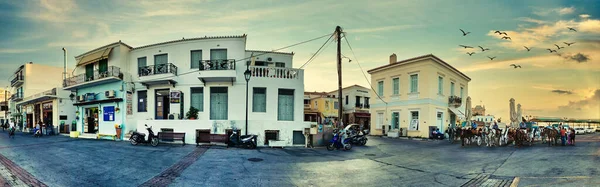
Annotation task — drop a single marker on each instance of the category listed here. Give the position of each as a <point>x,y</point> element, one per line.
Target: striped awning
<point>101,54</point>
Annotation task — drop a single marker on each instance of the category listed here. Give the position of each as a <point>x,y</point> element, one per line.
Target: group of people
<point>567,136</point>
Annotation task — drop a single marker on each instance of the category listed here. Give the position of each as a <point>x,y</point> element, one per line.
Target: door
<point>380,120</point>
<point>103,66</point>
<point>452,120</point>
<point>440,121</point>
<point>162,104</point>
<point>89,72</point>
<point>91,118</point>
<point>395,120</point>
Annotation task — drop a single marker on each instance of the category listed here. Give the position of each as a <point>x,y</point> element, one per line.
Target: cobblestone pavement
<point>62,161</point>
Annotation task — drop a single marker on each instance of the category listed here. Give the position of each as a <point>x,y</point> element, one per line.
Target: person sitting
<point>437,134</point>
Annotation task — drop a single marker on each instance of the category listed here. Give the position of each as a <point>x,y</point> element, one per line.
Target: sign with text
<point>109,113</point>
<point>129,103</point>
<point>175,96</point>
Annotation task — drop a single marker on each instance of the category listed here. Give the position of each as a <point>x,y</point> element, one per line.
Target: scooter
<point>139,137</point>
<point>247,141</point>
<point>336,142</point>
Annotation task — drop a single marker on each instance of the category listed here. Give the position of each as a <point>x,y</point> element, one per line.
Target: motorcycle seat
<point>142,134</point>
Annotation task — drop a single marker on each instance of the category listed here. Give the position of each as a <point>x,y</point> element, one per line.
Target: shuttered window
<point>285,105</point>
<point>218,103</point>
<point>259,99</point>
<point>197,98</point>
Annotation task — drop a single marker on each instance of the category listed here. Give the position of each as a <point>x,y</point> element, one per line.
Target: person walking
<point>572,137</point>
<point>563,134</point>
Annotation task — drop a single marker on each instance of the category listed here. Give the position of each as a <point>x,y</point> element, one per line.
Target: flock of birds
<point>506,37</point>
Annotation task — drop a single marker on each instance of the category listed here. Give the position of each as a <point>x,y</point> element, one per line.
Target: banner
<point>175,96</point>
<point>109,113</point>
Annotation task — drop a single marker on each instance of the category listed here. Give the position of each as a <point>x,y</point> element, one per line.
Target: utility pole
<point>338,33</point>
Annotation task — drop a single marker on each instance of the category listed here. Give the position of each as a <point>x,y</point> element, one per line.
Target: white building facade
<point>208,73</point>
<point>356,104</point>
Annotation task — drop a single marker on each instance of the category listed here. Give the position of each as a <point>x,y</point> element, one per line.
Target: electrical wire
<point>362,71</point>
<point>263,53</point>
<point>318,51</point>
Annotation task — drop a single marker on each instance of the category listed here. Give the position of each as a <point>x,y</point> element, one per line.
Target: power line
<point>362,71</point>
<point>272,51</point>
<point>318,51</point>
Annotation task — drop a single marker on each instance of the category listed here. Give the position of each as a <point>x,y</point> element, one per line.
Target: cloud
<point>584,16</point>
<point>52,11</point>
<point>592,103</point>
<point>562,92</point>
<point>579,57</point>
<point>526,19</point>
<point>560,11</point>
<point>381,29</point>
<point>16,51</point>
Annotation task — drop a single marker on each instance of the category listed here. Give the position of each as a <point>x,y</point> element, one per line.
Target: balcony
<point>160,74</point>
<point>42,96</point>
<point>454,101</point>
<point>112,74</point>
<point>217,71</point>
<point>17,81</point>
<point>17,97</point>
<point>367,106</point>
<point>275,72</point>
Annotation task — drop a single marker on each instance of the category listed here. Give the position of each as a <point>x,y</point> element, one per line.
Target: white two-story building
<point>356,104</point>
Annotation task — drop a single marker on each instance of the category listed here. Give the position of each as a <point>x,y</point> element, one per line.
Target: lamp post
<point>247,77</point>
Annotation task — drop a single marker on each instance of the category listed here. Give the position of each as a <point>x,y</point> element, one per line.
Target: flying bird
<point>528,49</point>
<point>482,49</point>
<point>498,32</point>
<point>464,33</point>
<point>504,33</point>
<point>515,66</point>
<point>570,28</point>
<point>569,44</point>
<point>465,46</point>
<point>506,38</point>
<point>559,47</point>
<point>491,58</point>
<point>551,50</point>
<point>470,53</point>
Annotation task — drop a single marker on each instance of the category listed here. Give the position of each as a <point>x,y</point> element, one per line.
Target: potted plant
<point>118,129</point>
<point>192,113</point>
<point>117,109</point>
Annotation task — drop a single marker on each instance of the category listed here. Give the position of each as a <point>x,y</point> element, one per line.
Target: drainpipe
<point>65,66</point>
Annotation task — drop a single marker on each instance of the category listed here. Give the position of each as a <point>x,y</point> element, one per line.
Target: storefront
<point>98,110</point>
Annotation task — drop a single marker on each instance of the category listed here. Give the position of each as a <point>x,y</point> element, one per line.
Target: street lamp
<point>247,77</point>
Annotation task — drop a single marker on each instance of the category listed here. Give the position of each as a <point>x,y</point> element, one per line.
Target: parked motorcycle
<point>358,138</point>
<point>246,141</point>
<point>337,143</point>
<point>138,137</point>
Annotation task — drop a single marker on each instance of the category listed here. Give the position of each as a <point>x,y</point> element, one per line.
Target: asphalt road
<point>62,161</point>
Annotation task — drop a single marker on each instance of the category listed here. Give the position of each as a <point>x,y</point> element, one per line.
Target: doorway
<point>91,120</point>
<point>162,104</point>
<point>36,111</point>
<point>440,121</point>
<point>452,120</point>
<point>395,120</point>
<point>29,120</point>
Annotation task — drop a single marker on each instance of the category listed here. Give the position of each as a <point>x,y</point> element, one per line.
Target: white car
<point>579,130</point>
<point>590,130</point>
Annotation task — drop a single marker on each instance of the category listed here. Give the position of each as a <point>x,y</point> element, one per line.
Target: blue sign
<point>109,113</point>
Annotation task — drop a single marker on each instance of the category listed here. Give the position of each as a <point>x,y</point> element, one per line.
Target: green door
<point>89,72</point>
<point>103,66</point>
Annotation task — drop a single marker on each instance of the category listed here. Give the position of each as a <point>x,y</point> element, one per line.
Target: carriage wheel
<point>478,139</point>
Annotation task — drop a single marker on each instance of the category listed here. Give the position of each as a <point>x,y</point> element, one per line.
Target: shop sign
<point>175,96</point>
<point>129,103</point>
<point>109,113</point>
<point>47,106</point>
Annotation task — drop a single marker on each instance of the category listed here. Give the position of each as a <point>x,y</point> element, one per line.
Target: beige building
<point>416,95</point>
<point>479,110</point>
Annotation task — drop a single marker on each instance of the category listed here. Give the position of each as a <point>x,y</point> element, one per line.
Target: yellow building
<point>321,104</point>
<point>416,95</point>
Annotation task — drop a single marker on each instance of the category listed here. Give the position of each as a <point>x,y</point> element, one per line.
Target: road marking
<point>515,182</point>
<point>20,173</point>
<point>170,174</point>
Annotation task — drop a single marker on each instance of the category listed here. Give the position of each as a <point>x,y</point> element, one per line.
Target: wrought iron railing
<point>158,69</point>
<point>17,96</point>
<point>273,72</point>
<point>222,64</point>
<point>16,79</point>
<point>358,105</point>
<point>111,71</point>
<point>454,101</point>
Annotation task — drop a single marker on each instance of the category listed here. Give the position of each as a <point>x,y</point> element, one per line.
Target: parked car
<point>590,130</point>
<point>579,130</point>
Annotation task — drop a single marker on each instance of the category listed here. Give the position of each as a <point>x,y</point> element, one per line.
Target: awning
<point>362,115</point>
<point>95,57</point>
<point>113,100</point>
<point>457,112</point>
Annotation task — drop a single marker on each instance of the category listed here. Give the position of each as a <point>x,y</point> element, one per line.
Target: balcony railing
<point>158,69</point>
<point>16,79</point>
<point>273,72</point>
<point>306,105</point>
<point>17,96</point>
<point>367,106</point>
<point>222,64</point>
<point>111,71</point>
<point>359,105</point>
<point>454,101</point>
<point>51,92</point>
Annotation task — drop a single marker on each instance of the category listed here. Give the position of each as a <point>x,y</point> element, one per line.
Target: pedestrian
<point>563,134</point>
<point>572,138</point>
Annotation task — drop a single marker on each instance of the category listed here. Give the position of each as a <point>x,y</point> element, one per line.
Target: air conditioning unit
<point>81,98</point>
<point>110,94</point>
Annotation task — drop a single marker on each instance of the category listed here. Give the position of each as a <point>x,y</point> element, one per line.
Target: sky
<point>561,84</point>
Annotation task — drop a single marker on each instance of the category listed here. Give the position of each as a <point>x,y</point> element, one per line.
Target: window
<point>414,83</point>
<point>366,102</point>
<point>196,56</point>
<point>103,65</point>
<point>285,105</point>
<point>414,122</point>
<point>307,102</point>
<point>380,88</point>
<point>452,88</point>
<point>218,103</point>
<point>326,105</point>
<point>260,63</point>
<point>142,101</point>
<point>160,63</point>
<point>379,121</point>
<point>89,72</point>
<point>357,101</point>
<point>197,98</point>
<point>142,63</point>
<point>335,105</point>
<point>440,85</point>
<point>280,64</point>
<point>316,105</point>
<point>259,99</point>
<point>461,92</point>
<point>346,100</point>
<point>217,56</point>
<point>396,86</point>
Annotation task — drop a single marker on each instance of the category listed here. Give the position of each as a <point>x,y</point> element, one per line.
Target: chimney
<point>393,58</point>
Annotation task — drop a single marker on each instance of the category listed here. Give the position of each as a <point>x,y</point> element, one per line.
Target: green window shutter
<point>396,86</point>
<point>380,88</point>
<point>218,103</point>
<point>285,105</point>
<point>89,72</point>
<point>440,85</point>
<point>196,58</point>
<point>141,64</point>
<point>259,100</point>
<point>414,85</point>
<point>197,98</point>
<point>452,89</point>
<point>103,66</point>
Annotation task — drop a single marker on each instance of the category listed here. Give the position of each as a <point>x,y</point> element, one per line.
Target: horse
<point>466,135</point>
<point>552,136</point>
<point>489,136</point>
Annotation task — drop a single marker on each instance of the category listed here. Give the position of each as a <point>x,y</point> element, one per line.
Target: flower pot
<point>192,118</point>
<point>118,133</point>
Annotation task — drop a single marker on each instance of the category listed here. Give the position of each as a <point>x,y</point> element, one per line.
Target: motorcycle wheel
<point>347,147</point>
<point>330,147</point>
<point>133,140</point>
<point>363,142</point>
<point>154,141</point>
